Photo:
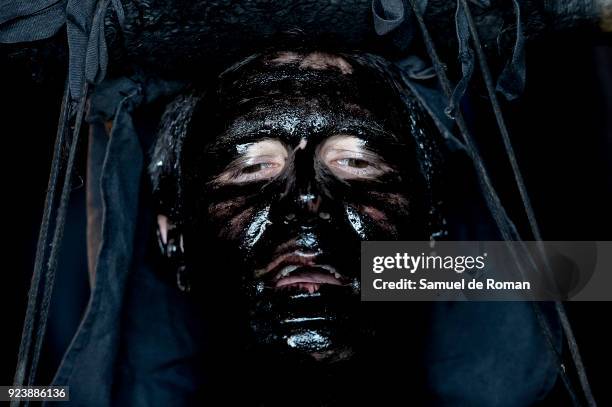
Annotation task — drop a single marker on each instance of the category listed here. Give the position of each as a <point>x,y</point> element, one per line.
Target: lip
<point>307,280</point>
<point>296,258</point>
<point>299,269</point>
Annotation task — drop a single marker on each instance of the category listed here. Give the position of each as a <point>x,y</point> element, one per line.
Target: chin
<point>311,345</point>
<point>307,315</point>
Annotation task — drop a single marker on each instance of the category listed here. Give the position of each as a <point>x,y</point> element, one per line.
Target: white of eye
<point>258,161</point>
<point>348,158</point>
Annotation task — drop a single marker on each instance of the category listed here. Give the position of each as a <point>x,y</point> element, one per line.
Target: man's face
<point>309,156</point>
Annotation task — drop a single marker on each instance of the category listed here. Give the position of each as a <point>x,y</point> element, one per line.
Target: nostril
<point>309,203</point>
<point>306,199</point>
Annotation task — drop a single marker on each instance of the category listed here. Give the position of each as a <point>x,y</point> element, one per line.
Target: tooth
<point>327,268</point>
<point>337,275</point>
<point>285,271</point>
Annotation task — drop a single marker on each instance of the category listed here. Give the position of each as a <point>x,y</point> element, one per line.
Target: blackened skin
<point>305,208</point>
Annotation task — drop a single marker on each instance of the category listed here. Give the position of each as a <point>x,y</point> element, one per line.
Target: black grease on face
<point>306,207</point>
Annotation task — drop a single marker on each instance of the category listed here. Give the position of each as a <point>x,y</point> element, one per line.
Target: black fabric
<point>505,225</point>
<point>37,20</point>
<point>159,361</point>
<point>22,21</point>
<point>10,10</point>
<point>210,34</point>
<point>97,335</point>
<point>489,354</point>
<point>98,141</point>
<point>120,178</point>
<point>430,95</point>
<point>511,82</point>
<point>466,58</point>
<point>388,15</point>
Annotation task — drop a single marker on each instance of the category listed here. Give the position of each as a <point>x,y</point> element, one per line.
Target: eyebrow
<point>357,127</point>
<point>249,130</point>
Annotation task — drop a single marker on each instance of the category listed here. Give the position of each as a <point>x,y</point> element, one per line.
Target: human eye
<point>347,158</point>
<point>258,168</point>
<point>262,160</point>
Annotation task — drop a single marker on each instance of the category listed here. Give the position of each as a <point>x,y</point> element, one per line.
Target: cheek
<point>380,217</point>
<point>229,218</point>
<point>224,210</point>
<point>234,221</point>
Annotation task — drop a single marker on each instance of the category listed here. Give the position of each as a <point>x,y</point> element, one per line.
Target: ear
<point>162,228</point>
<point>170,240</point>
<point>169,237</point>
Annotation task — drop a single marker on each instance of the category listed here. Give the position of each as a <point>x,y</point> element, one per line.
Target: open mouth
<point>307,278</point>
<point>301,271</point>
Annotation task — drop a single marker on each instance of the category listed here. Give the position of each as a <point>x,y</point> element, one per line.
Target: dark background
<point>561,128</point>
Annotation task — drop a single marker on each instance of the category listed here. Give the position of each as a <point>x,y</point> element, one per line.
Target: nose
<point>307,206</point>
<point>304,202</point>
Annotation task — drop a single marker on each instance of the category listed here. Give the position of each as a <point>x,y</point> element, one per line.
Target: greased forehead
<point>314,60</point>
<point>282,80</point>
